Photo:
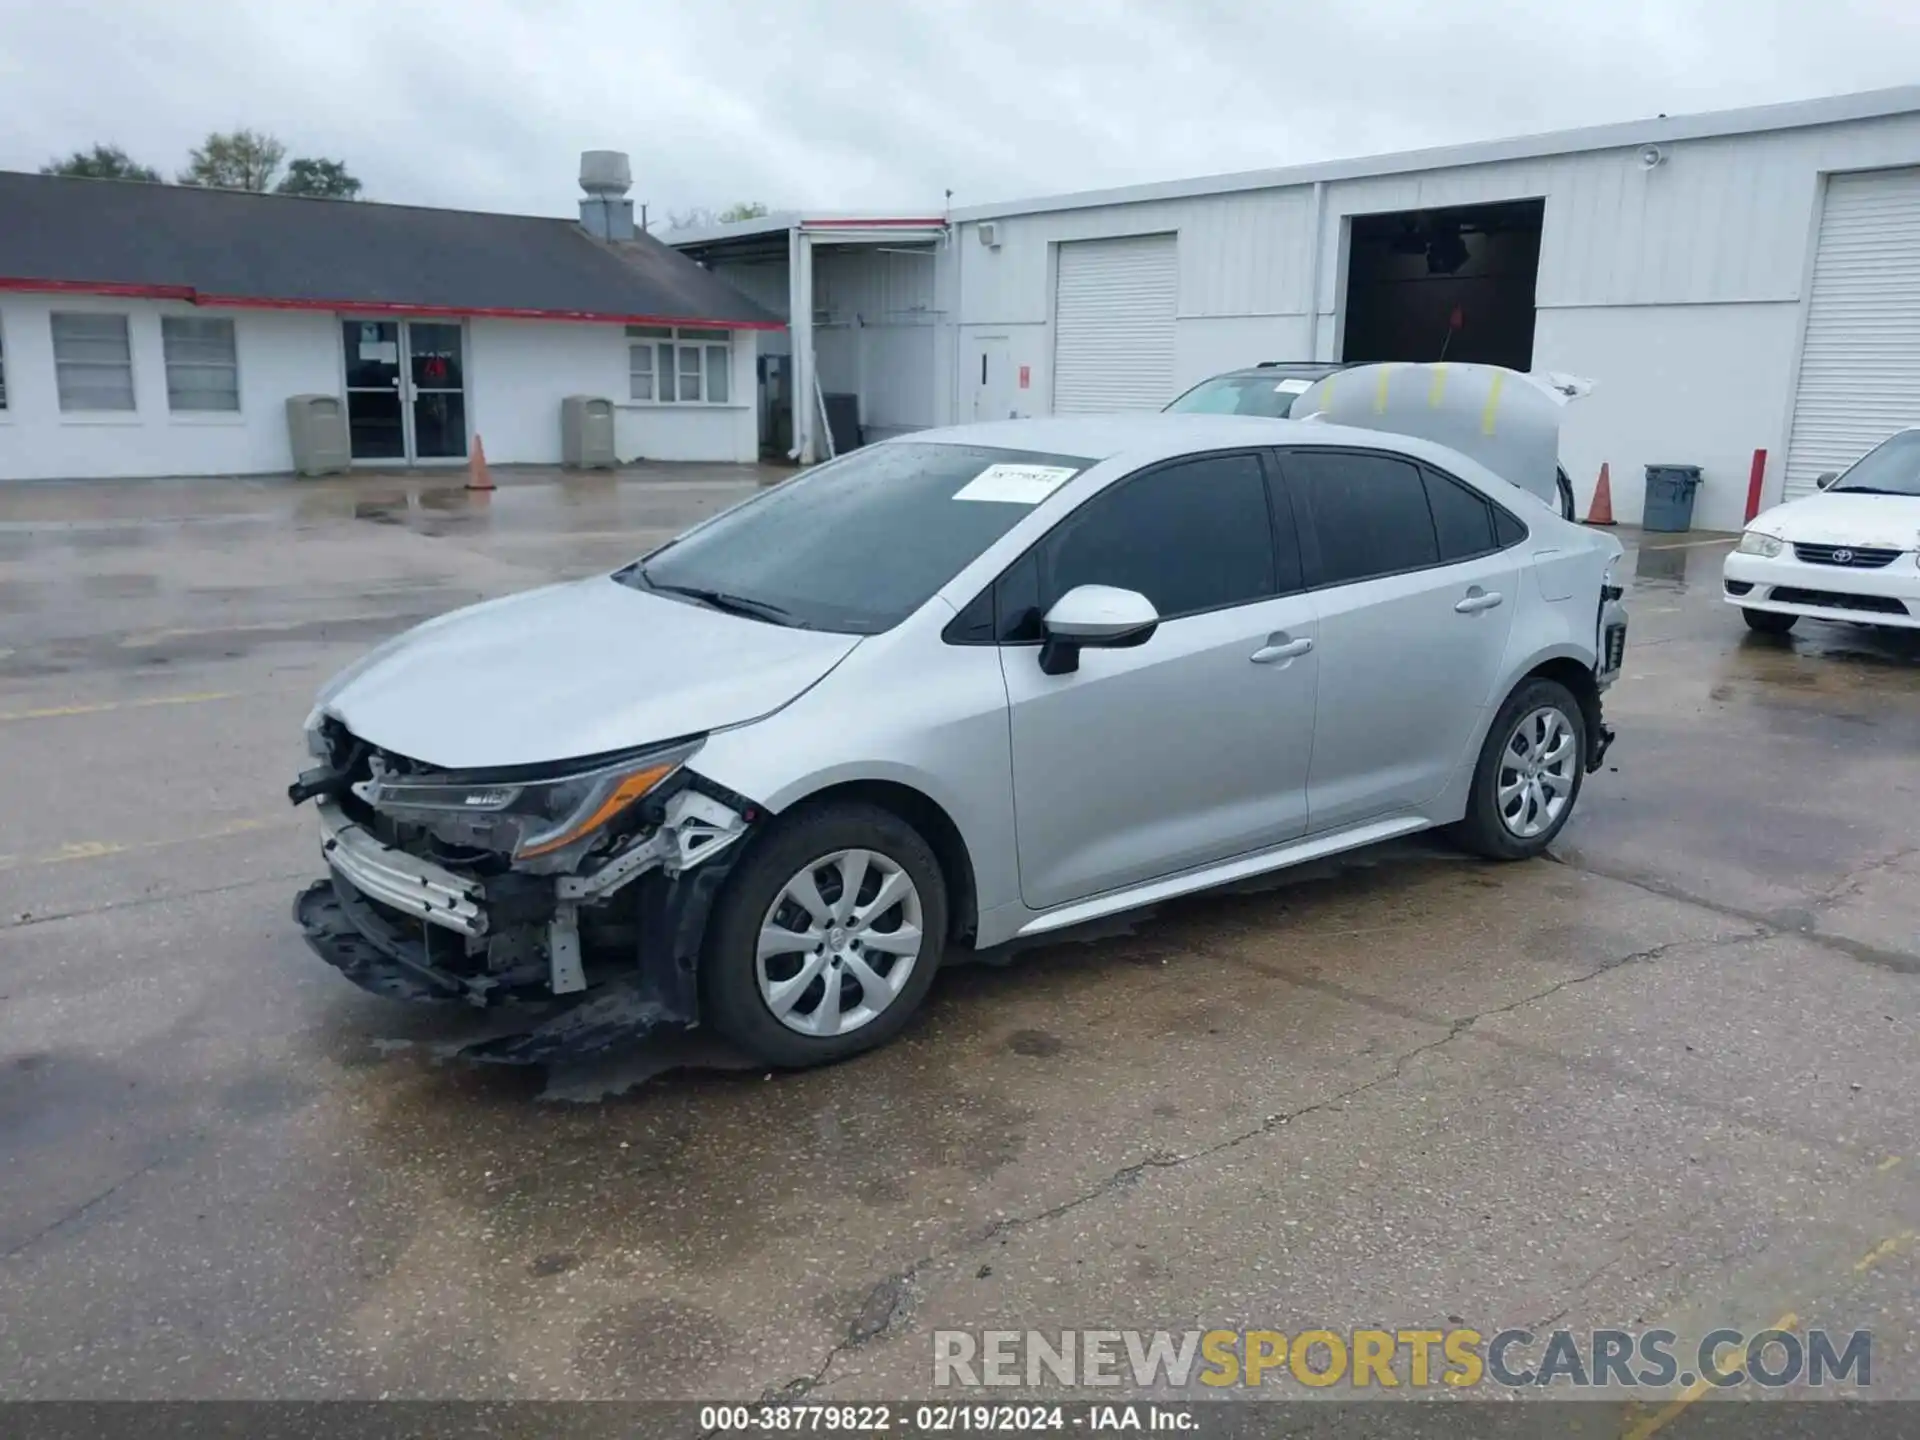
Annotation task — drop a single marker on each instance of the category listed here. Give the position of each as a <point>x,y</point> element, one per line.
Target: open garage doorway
<point>1452,284</point>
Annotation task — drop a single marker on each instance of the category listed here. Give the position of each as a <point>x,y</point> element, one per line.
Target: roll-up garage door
<point>1860,368</point>
<point>1113,324</point>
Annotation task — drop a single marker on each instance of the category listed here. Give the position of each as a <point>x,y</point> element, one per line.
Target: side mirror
<point>1096,615</point>
<point>1824,480</point>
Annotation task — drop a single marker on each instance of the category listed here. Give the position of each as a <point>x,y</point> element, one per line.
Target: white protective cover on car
<point>1508,420</point>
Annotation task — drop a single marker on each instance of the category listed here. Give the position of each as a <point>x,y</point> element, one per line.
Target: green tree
<point>322,179</point>
<point>743,210</point>
<point>102,162</point>
<point>235,160</point>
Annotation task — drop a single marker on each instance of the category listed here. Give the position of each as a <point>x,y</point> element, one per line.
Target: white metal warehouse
<point>1739,281</point>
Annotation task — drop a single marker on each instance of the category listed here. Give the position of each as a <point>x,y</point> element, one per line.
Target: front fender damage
<point>662,991</point>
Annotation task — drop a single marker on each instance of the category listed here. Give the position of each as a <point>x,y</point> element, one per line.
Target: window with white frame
<point>679,365</point>
<point>203,369</point>
<point>92,361</point>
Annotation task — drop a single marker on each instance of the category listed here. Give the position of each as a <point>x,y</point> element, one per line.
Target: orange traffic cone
<point>1601,511</point>
<point>477,476</point>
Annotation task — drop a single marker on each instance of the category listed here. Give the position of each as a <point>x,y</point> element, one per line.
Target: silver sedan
<point>959,689</point>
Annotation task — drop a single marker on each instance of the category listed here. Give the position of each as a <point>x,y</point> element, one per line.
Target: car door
<point>1415,598</point>
<point>1186,749</point>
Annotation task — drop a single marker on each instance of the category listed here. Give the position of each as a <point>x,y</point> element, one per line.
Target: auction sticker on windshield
<point>1015,484</point>
<point>1293,387</point>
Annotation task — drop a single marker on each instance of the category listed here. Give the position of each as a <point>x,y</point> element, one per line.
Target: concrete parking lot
<point>1670,1076</point>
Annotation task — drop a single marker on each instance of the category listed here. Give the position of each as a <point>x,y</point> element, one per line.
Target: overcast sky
<point>883,104</point>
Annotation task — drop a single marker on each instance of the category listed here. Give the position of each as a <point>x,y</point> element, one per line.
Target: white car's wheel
<point>1768,622</point>
<point>827,937</point>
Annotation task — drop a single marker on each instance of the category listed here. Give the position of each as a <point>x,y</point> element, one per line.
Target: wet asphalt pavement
<point>1670,1076</point>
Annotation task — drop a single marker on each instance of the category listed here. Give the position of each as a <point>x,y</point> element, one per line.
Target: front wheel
<point>827,937</point>
<point>1768,622</point>
<point>1529,774</point>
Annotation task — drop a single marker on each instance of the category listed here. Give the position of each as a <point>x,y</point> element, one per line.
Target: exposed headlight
<point>529,818</point>
<point>1753,542</point>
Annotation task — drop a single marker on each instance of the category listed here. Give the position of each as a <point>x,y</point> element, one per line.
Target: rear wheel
<point>1768,622</point>
<point>827,938</point>
<point>1529,775</point>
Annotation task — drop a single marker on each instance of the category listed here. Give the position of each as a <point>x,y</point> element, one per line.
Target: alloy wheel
<point>1538,767</point>
<point>838,943</point>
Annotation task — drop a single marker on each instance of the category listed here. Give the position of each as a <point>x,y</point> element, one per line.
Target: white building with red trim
<point>151,330</point>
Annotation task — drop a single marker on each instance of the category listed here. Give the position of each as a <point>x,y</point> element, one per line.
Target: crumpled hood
<point>569,670</point>
<point>1890,522</point>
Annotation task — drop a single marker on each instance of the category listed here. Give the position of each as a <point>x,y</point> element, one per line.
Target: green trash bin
<point>1669,503</point>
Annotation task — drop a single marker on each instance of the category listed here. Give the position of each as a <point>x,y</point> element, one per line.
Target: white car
<point>1851,551</point>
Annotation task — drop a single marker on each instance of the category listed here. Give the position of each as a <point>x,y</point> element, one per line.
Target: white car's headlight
<point>1753,542</point>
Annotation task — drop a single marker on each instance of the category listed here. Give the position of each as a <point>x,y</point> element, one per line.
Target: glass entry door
<point>376,425</point>
<point>406,390</point>
<point>437,395</point>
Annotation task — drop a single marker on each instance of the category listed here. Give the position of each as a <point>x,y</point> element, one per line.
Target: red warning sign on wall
<point>1026,376</point>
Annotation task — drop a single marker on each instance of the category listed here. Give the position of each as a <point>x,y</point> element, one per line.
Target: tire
<point>1768,622</point>
<point>738,998</point>
<point>1485,830</point>
<point>1565,487</point>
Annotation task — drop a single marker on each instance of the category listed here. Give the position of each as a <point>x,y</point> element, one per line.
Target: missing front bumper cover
<point>405,928</point>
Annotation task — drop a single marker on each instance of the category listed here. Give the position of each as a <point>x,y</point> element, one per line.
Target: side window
<point>1462,518</point>
<point>1369,513</point>
<point>1191,536</point>
<point>1507,529</point>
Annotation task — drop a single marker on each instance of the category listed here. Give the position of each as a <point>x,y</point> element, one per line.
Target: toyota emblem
<point>1843,556</point>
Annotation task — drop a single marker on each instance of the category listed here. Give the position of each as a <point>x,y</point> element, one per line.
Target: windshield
<point>860,543</point>
<point>1892,468</point>
<point>1270,395</point>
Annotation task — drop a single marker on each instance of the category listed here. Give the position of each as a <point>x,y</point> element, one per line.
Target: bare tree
<point>235,160</point>
<point>102,162</point>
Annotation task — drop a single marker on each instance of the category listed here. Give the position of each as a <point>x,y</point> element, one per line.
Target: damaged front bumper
<point>606,953</point>
<point>1611,649</point>
<point>393,877</point>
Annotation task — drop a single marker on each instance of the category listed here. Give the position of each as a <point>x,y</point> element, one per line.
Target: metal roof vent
<point>605,211</point>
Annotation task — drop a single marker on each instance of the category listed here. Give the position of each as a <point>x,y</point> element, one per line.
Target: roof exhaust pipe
<point>605,211</point>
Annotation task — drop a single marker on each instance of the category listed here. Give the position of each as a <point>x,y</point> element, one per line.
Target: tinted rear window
<point>1462,518</point>
<point>1370,513</point>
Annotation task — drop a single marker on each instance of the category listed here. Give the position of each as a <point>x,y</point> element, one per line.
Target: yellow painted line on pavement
<point>1890,1246</point>
<point>102,849</point>
<point>1695,544</point>
<point>143,639</point>
<point>1888,1164</point>
<point>1666,1415</point>
<point>60,712</point>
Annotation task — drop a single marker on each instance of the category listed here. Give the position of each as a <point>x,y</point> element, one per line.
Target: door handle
<point>1278,647</point>
<point>1477,600</point>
